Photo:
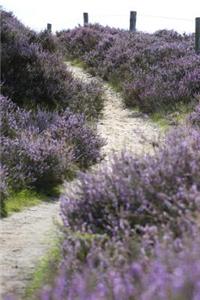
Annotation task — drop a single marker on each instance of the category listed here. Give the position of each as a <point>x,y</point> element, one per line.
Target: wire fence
<point>143,15</point>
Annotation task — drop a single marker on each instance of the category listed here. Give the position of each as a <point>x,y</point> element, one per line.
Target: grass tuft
<point>78,63</point>
<point>172,117</point>
<point>22,199</point>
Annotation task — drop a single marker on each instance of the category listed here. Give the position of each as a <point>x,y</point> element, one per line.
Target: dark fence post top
<point>85,18</point>
<point>133,15</point>
<point>49,27</point>
<point>197,35</point>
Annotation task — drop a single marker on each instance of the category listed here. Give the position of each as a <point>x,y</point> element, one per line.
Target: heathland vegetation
<point>131,227</point>
<point>45,134</point>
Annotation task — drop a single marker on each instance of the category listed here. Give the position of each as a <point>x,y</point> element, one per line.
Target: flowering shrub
<point>85,141</point>
<point>41,148</point>
<point>194,117</point>
<point>3,190</point>
<point>34,160</point>
<point>116,60</point>
<point>174,79</point>
<point>97,268</point>
<point>48,41</point>
<point>31,76</point>
<point>81,40</point>
<point>28,73</point>
<point>33,73</point>
<point>152,70</point>
<point>12,118</point>
<point>162,189</point>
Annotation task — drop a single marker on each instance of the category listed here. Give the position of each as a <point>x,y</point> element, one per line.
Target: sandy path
<point>26,236</point>
<point>121,127</point>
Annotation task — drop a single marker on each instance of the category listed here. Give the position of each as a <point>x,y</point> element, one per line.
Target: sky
<point>152,15</point>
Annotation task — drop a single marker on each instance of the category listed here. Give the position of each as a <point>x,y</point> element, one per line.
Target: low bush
<point>194,117</point>
<point>163,189</point>
<point>36,160</point>
<point>165,84</point>
<point>98,268</point>
<point>3,190</point>
<point>81,40</point>
<point>33,72</point>
<point>154,71</point>
<point>48,41</point>
<point>31,76</point>
<point>42,148</point>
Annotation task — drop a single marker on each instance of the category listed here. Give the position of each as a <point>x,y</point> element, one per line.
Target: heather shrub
<point>83,39</point>
<point>162,189</point>
<point>49,79</point>
<point>95,59</point>
<point>194,117</point>
<point>42,148</point>
<point>12,118</point>
<point>33,72</point>
<point>116,63</point>
<point>3,190</point>
<point>110,271</point>
<point>152,70</point>
<point>173,80</point>
<point>30,75</point>
<point>37,161</point>
<point>13,28</point>
<point>48,41</point>
<point>86,142</point>
<point>170,35</point>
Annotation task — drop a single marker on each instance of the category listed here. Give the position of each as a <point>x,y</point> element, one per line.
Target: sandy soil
<point>26,236</point>
<point>121,127</point>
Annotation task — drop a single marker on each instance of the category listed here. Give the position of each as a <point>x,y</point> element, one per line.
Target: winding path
<point>121,127</point>
<point>26,236</point>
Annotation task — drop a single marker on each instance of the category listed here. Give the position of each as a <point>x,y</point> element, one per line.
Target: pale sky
<point>63,14</point>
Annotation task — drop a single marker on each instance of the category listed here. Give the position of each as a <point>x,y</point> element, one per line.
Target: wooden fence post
<point>133,15</point>
<point>85,19</point>
<point>197,35</point>
<point>49,27</point>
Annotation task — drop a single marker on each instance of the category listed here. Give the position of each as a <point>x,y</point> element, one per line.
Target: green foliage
<point>24,198</point>
<point>78,63</point>
<point>173,117</point>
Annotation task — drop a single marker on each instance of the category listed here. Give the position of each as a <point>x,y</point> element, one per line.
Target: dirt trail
<point>26,236</point>
<point>121,127</point>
